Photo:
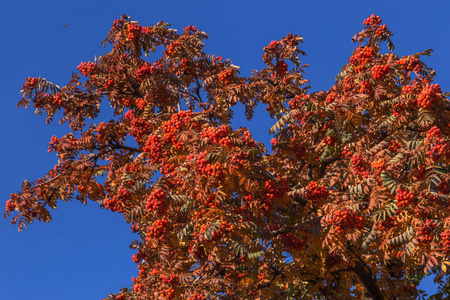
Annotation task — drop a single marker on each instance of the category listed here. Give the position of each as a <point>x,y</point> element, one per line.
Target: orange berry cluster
<point>346,219</point>
<point>378,71</point>
<point>331,97</point>
<point>361,57</point>
<point>157,201</point>
<point>293,241</point>
<point>134,31</point>
<point>205,168</point>
<point>410,63</point>
<point>346,153</point>
<point>372,20</point>
<point>425,232</point>
<point>87,69</point>
<point>359,165</point>
<point>157,230</point>
<point>226,76</point>
<point>330,140</point>
<point>141,103</point>
<point>446,239</point>
<point>197,296</point>
<point>315,192</point>
<point>281,68</point>
<point>365,87</point>
<point>381,30</point>
<point>173,126</point>
<point>171,280</point>
<point>145,70</point>
<point>10,205</point>
<point>404,198</point>
<point>31,83</point>
<point>428,96</point>
<point>167,294</point>
<point>378,165</point>
<point>154,148</point>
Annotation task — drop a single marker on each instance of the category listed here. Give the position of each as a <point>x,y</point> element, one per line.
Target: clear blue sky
<point>83,253</point>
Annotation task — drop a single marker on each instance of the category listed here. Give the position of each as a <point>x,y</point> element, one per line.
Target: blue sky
<point>83,253</point>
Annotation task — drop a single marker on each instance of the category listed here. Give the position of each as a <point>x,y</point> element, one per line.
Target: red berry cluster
<point>31,83</point>
<point>113,204</point>
<point>10,206</point>
<point>378,71</point>
<point>347,84</point>
<point>197,296</point>
<point>446,239</point>
<point>145,70</point>
<point>315,192</point>
<point>361,57</point>
<point>137,258</point>
<point>346,219</point>
<point>293,241</point>
<point>274,46</point>
<point>372,20</point>
<point>359,165</point>
<point>218,135</point>
<point>140,128</point>
<point>281,68</point>
<point>428,96</point>
<point>332,260</point>
<point>157,201</point>
<point>157,230</point>
<point>226,76</point>
<point>154,148</point>
<point>394,146</point>
<point>54,141</point>
<point>224,228</point>
<point>134,31</point>
<point>387,224</point>
<point>296,102</point>
<point>239,159</point>
<point>443,188</point>
<point>87,69</point>
<point>381,30</point>
<point>441,148</point>
<point>410,63</point>
<point>425,232</point>
<point>404,198</point>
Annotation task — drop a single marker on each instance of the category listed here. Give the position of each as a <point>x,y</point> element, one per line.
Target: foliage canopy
<point>352,201</point>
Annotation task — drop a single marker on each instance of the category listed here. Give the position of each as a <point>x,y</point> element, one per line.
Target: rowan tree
<point>352,201</point>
